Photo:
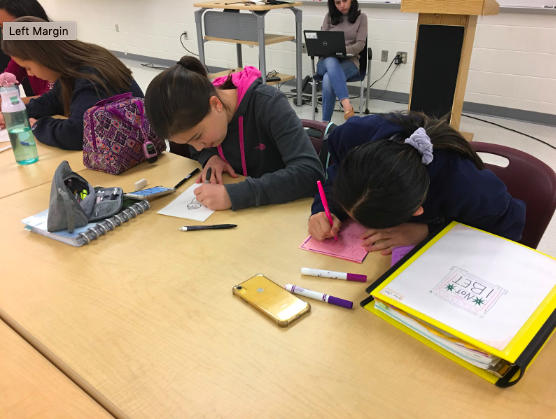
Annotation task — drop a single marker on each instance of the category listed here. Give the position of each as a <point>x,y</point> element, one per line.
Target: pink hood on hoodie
<point>242,80</point>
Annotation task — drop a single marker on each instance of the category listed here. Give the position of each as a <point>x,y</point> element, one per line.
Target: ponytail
<point>178,98</point>
<point>442,135</point>
<point>382,183</point>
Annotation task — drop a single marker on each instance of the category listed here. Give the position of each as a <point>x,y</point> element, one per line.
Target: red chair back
<point>319,126</point>
<point>529,179</point>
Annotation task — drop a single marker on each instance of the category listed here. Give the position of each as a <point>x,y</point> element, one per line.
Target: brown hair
<point>178,98</point>
<point>69,59</point>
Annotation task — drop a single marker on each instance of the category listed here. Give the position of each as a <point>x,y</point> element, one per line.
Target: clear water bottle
<point>17,124</point>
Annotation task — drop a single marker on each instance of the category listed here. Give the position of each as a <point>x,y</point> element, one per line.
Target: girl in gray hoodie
<point>235,124</point>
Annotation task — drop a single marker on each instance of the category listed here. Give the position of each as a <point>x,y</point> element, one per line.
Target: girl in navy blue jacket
<point>82,73</point>
<point>403,175</point>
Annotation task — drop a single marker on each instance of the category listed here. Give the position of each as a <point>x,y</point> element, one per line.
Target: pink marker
<point>325,205</point>
<point>334,275</point>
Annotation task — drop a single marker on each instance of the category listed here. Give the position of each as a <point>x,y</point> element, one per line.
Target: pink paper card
<point>347,247</point>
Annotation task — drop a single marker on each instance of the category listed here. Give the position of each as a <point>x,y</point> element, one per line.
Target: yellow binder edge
<point>519,342</point>
<point>480,372</point>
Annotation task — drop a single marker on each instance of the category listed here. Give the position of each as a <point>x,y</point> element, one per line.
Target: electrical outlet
<point>304,48</point>
<point>185,35</point>
<point>404,57</point>
<point>384,56</point>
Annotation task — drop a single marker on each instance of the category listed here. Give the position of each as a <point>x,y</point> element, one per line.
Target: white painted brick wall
<point>513,62</point>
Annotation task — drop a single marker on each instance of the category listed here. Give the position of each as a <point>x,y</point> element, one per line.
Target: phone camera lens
<point>239,288</point>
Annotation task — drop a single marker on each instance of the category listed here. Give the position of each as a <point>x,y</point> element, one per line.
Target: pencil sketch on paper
<point>468,292</point>
<point>187,206</point>
<point>193,205</point>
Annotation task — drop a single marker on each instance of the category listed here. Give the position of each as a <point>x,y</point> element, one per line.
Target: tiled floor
<point>483,132</point>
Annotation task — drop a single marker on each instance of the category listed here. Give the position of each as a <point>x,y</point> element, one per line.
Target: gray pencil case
<point>74,202</point>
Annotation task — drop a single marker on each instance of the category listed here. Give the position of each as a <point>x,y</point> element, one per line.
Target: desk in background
<point>240,34</point>
<point>31,387</point>
<point>16,177</point>
<point>145,315</point>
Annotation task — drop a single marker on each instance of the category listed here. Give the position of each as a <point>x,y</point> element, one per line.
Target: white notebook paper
<point>187,206</point>
<point>487,292</point>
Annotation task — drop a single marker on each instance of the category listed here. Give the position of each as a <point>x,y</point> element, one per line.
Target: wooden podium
<point>445,34</point>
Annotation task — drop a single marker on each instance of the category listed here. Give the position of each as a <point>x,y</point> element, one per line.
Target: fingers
<point>336,225</point>
<point>317,233</point>
<point>201,178</point>
<point>368,233</point>
<point>379,245</point>
<point>213,175</point>
<point>230,170</point>
<point>198,191</point>
<point>319,227</point>
<point>388,251</point>
<point>314,229</point>
<point>372,239</point>
<point>218,176</point>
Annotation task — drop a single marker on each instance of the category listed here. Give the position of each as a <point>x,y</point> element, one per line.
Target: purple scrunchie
<point>422,143</point>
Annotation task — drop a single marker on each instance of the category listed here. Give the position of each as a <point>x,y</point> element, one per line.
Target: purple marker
<point>334,275</point>
<point>318,296</point>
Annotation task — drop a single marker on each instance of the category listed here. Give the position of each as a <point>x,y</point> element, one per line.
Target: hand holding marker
<point>325,205</point>
<point>213,227</point>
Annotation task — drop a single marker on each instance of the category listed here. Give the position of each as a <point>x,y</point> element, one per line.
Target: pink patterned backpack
<point>115,130</point>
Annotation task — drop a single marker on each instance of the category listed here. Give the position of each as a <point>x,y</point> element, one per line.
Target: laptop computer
<point>325,44</point>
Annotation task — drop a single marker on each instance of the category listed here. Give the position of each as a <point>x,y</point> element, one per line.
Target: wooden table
<point>235,34</point>
<point>31,387</point>
<point>146,318</point>
<point>16,177</point>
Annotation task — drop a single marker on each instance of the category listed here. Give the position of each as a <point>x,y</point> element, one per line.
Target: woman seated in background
<point>82,73</point>
<point>10,10</point>
<point>343,16</point>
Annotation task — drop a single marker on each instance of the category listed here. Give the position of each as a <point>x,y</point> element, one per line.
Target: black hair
<point>178,98</point>
<point>20,8</point>
<point>382,183</point>
<point>336,15</point>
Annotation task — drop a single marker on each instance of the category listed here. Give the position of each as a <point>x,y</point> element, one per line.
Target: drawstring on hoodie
<point>242,81</point>
<point>241,147</point>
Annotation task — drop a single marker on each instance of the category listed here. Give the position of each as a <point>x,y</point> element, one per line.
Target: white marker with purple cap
<point>334,275</point>
<point>318,296</point>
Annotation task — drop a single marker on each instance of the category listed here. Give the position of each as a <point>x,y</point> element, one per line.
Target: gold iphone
<point>272,300</point>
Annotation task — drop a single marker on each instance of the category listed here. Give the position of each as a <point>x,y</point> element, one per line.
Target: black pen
<point>209,173</point>
<point>185,179</point>
<point>214,227</point>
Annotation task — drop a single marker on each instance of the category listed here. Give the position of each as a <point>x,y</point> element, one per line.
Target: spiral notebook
<point>83,235</point>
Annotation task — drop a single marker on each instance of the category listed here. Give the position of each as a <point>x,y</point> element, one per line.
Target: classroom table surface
<point>236,5</point>
<point>145,315</point>
<point>16,177</point>
<point>32,388</point>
